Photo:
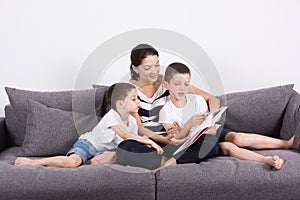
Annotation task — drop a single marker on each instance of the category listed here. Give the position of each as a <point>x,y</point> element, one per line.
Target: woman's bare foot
<point>274,161</point>
<point>21,161</point>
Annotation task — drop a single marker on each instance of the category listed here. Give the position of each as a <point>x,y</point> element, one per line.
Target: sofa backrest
<point>257,111</point>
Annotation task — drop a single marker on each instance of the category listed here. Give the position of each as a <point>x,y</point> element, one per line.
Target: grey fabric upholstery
<point>291,121</point>
<point>50,131</point>
<point>87,101</point>
<point>15,128</point>
<point>268,111</point>
<point>85,182</point>
<point>2,134</point>
<point>229,178</point>
<point>257,111</point>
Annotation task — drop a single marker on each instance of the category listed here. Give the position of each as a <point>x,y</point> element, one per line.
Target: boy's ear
<point>166,85</point>
<point>119,104</point>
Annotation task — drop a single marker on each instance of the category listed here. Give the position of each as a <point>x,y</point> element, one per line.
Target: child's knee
<point>72,161</point>
<point>226,147</point>
<point>237,138</point>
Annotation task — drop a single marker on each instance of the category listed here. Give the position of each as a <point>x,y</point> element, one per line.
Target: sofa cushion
<point>228,178</point>
<point>51,131</point>
<point>257,111</point>
<point>15,129</point>
<point>291,121</point>
<point>87,101</point>
<point>87,182</point>
<point>105,105</point>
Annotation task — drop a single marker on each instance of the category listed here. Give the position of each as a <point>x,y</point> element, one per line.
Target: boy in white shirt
<point>183,111</point>
<point>117,125</point>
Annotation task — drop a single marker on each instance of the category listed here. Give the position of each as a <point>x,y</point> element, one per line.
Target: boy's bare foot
<point>171,161</point>
<point>275,161</point>
<point>21,161</point>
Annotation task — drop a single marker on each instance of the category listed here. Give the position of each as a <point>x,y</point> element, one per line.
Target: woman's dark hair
<point>137,55</point>
<point>116,92</point>
<point>176,68</point>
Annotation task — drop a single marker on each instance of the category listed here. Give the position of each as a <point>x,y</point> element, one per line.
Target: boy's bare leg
<point>71,161</point>
<point>230,149</point>
<point>107,157</point>
<point>257,141</point>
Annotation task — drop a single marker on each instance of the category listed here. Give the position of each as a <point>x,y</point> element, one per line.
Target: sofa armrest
<point>291,120</point>
<point>2,134</point>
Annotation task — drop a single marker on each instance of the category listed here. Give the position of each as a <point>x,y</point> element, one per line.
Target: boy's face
<point>131,102</point>
<point>178,86</point>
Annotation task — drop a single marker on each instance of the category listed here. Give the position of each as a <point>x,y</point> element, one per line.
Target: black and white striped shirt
<point>150,107</point>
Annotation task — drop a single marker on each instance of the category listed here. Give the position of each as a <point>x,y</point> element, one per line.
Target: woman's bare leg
<point>71,161</point>
<point>257,141</point>
<point>230,149</point>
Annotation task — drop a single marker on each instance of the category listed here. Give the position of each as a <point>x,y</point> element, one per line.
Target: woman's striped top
<point>150,107</point>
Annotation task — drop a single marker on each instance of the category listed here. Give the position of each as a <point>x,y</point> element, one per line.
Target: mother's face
<point>149,69</point>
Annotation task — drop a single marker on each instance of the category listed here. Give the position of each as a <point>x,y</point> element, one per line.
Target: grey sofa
<point>38,124</point>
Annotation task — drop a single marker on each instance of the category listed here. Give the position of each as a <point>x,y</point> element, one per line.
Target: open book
<point>198,130</point>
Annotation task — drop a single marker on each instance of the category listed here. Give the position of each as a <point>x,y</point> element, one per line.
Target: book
<point>198,130</point>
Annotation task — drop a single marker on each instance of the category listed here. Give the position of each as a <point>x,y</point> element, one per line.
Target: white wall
<point>43,43</point>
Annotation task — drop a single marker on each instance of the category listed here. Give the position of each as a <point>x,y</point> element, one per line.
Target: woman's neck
<point>147,88</point>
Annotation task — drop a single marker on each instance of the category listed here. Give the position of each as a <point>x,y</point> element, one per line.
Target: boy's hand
<point>155,146</point>
<point>177,142</point>
<point>162,139</point>
<point>197,119</point>
<point>173,130</point>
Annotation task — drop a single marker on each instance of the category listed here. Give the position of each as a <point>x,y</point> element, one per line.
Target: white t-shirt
<point>170,113</point>
<point>102,137</point>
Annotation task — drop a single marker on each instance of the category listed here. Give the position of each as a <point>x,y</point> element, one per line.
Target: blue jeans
<point>84,149</point>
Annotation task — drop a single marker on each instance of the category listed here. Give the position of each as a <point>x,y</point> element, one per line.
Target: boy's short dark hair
<point>176,68</point>
<point>116,92</point>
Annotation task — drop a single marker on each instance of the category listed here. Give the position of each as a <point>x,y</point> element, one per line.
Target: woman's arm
<point>213,102</point>
<point>126,136</point>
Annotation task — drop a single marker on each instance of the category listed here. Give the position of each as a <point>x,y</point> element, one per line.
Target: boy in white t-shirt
<point>117,125</point>
<point>183,112</point>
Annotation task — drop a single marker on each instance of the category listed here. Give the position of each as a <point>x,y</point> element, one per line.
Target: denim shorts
<point>84,149</point>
